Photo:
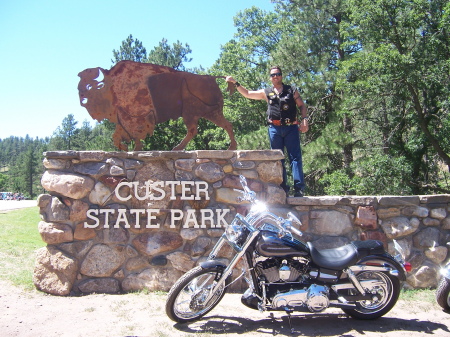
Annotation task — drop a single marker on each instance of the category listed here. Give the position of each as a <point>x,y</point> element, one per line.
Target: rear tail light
<point>407,266</point>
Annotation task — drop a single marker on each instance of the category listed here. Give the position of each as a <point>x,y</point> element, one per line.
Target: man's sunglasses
<point>275,74</point>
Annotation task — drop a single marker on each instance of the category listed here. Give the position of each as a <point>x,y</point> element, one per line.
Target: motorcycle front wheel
<point>186,298</point>
<point>385,289</point>
<point>443,293</point>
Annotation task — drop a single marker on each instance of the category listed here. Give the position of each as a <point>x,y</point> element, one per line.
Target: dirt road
<point>8,205</point>
<point>25,313</point>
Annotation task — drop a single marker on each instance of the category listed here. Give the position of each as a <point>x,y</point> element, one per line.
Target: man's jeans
<point>288,137</point>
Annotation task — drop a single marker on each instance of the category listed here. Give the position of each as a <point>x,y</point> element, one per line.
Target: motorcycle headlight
<point>234,233</point>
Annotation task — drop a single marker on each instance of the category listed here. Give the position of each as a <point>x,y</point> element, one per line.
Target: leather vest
<point>282,106</point>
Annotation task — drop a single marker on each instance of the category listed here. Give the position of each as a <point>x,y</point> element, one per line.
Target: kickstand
<point>288,312</point>
<point>272,317</point>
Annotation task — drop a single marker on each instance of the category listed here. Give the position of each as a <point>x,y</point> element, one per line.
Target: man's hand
<point>230,79</point>
<point>304,127</point>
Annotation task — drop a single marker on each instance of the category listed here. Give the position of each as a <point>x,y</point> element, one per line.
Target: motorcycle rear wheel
<point>185,301</point>
<point>386,294</point>
<point>443,293</point>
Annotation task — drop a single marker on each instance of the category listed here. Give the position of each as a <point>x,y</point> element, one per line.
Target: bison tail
<point>230,88</point>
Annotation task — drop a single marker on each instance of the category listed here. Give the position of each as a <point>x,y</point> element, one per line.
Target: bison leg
<point>120,137</point>
<point>138,145</point>
<point>140,134</point>
<point>217,118</point>
<point>191,125</point>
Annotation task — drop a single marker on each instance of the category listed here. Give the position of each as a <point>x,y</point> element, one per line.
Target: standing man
<point>282,102</point>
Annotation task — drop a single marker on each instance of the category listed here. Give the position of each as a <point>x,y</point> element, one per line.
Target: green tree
<point>3,182</point>
<point>101,137</point>
<point>64,135</point>
<point>398,83</point>
<point>381,174</point>
<point>175,56</point>
<point>84,136</point>
<point>131,49</point>
<point>25,174</point>
<point>256,140</point>
<point>21,164</point>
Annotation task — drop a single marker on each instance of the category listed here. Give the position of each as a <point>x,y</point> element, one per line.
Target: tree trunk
<point>424,126</point>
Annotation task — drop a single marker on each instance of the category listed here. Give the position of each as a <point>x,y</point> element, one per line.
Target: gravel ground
<point>24,313</point>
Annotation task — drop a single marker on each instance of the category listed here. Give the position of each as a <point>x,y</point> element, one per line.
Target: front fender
<point>211,264</point>
<point>385,259</point>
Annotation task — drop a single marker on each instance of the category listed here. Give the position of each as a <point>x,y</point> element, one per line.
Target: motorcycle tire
<point>387,293</point>
<point>443,293</point>
<point>184,301</point>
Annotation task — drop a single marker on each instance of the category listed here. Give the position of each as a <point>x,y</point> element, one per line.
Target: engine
<point>281,270</point>
<point>315,298</point>
<point>286,285</point>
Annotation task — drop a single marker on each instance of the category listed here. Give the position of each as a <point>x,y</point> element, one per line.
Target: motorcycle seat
<point>334,258</point>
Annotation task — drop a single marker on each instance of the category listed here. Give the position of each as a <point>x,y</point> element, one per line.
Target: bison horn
<point>99,79</point>
<point>100,76</point>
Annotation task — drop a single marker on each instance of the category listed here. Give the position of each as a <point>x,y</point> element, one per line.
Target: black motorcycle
<point>286,274</point>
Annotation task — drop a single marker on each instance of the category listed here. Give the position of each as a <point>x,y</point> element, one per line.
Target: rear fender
<point>386,260</point>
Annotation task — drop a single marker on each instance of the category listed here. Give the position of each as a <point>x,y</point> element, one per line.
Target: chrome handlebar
<point>285,226</point>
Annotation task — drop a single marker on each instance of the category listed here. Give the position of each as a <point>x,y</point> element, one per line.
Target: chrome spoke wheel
<point>380,288</point>
<point>384,290</point>
<point>188,298</point>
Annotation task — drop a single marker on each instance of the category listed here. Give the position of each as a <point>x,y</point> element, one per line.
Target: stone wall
<point>124,221</point>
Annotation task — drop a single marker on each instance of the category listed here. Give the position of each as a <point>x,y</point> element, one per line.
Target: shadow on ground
<point>310,325</point>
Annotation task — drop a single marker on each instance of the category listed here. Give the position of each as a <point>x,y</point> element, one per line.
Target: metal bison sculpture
<point>137,96</point>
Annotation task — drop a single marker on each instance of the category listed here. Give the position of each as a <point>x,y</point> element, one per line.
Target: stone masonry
<point>124,221</point>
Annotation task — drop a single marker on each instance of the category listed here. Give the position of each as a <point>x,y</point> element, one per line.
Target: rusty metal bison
<point>137,96</point>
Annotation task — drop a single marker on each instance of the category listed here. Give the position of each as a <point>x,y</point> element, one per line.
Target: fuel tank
<point>270,245</point>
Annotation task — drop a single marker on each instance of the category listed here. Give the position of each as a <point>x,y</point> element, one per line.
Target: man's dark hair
<point>276,67</point>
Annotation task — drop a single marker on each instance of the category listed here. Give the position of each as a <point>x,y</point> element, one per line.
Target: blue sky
<point>45,44</point>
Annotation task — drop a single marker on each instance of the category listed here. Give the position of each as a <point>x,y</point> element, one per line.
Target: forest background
<point>374,74</point>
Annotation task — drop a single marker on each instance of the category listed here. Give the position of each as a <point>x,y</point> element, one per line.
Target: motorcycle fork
<point>229,269</point>
<point>253,283</point>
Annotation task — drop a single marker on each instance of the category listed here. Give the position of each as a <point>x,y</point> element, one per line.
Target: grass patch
<point>19,240</point>
<point>422,295</point>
